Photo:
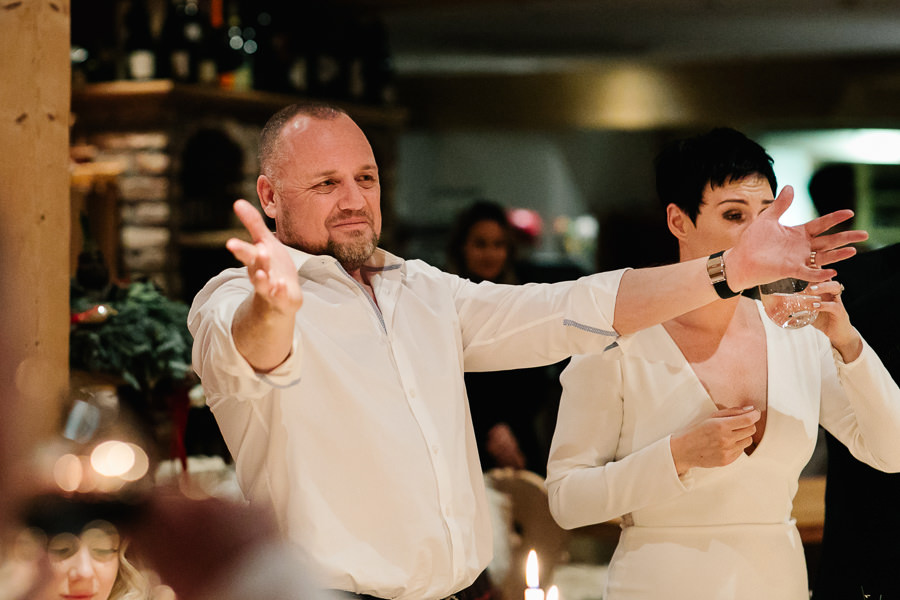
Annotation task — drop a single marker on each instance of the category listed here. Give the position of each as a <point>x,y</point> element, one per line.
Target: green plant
<point>141,335</point>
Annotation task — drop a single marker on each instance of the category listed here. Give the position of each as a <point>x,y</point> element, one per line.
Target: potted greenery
<point>137,336</point>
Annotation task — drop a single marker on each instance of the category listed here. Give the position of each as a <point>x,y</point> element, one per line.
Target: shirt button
<point>412,393</point>
<point>434,449</point>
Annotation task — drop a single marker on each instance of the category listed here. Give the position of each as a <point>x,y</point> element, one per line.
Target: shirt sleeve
<point>586,482</point>
<point>517,326</point>
<point>861,407</point>
<point>215,358</point>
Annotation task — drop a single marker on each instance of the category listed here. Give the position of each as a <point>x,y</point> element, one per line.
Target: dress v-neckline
<point>699,382</point>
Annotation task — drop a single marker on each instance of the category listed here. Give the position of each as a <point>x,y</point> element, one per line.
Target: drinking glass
<point>788,303</point>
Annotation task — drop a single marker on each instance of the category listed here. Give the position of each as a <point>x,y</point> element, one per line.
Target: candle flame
<point>553,593</point>
<point>531,570</point>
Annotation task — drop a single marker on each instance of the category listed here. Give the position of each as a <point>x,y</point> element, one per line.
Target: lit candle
<point>553,593</point>
<point>533,591</point>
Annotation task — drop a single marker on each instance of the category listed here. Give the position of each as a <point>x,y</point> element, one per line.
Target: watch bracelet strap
<point>715,268</point>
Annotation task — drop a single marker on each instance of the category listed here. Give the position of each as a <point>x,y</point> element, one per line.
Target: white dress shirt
<point>362,440</point>
<point>722,532</point>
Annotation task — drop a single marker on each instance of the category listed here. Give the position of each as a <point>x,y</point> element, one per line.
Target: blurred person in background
<point>506,406</point>
<point>513,411</point>
<point>861,518</point>
<point>92,565</point>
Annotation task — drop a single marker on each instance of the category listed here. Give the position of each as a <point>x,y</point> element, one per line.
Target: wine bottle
<point>94,40</point>
<point>139,44</point>
<point>273,55</point>
<point>326,64</point>
<point>378,66</point>
<point>236,48</point>
<point>186,38</point>
<point>357,48</point>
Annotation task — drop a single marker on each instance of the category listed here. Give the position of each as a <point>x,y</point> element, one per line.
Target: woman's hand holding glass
<point>834,321</point>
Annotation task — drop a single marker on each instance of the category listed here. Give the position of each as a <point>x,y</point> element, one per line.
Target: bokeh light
<point>113,458</point>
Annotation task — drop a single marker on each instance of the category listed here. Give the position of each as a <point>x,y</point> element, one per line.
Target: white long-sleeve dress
<point>712,533</point>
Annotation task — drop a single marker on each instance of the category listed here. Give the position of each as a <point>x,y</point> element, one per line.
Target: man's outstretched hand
<point>768,251</point>
<point>270,267</point>
<point>263,325</point>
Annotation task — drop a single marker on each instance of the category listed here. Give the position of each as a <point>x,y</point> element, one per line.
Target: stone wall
<point>150,194</point>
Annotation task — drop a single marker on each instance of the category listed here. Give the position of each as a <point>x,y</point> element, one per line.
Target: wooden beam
<point>34,223</point>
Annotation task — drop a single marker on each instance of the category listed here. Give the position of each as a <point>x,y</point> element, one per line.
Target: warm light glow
<point>141,464</point>
<point>532,578</point>
<point>89,476</point>
<point>68,473</point>
<point>113,458</point>
<point>533,591</point>
<point>553,593</point>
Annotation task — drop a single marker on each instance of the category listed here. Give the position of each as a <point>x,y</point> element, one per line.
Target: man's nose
<point>352,197</point>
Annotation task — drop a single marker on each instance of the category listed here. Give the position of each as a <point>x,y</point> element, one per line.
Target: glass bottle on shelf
<point>326,64</point>
<point>139,44</point>
<point>93,50</point>
<point>186,42</point>
<point>378,65</point>
<point>237,45</point>
<point>274,54</point>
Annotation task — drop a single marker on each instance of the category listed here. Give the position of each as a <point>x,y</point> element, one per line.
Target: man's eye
<point>734,216</point>
<point>367,180</point>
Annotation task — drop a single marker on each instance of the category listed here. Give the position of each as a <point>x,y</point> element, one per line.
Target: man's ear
<point>677,221</point>
<point>265,189</point>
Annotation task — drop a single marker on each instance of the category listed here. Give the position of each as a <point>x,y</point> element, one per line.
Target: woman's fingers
<point>831,289</point>
<point>826,257</point>
<point>822,224</point>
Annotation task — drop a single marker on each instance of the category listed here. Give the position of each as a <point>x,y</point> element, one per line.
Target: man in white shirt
<point>335,369</point>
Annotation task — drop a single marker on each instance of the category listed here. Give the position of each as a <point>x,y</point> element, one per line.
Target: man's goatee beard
<point>352,255</point>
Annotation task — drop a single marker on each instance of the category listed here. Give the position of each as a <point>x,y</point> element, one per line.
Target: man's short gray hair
<point>270,150</point>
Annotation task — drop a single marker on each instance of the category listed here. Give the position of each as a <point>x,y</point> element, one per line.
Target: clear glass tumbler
<point>788,304</point>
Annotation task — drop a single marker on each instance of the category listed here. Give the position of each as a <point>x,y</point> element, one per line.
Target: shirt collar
<point>381,260</point>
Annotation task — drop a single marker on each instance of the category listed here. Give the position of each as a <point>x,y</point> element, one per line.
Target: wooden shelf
<point>159,101</point>
<point>212,238</point>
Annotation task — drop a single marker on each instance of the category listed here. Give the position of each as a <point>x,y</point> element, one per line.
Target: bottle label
<point>357,83</point>
<point>207,71</point>
<point>193,32</point>
<point>298,76</point>
<point>181,65</point>
<point>142,64</point>
<point>328,69</point>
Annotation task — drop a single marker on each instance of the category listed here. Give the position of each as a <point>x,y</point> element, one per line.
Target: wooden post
<point>34,222</point>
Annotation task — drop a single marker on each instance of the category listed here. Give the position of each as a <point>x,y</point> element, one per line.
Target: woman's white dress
<point>723,532</point>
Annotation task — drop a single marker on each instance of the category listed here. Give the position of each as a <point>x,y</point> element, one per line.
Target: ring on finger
<point>812,259</point>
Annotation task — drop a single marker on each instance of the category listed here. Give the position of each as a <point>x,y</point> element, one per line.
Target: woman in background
<point>695,431</point>
<point>506,405</point>
<point>93,566</point>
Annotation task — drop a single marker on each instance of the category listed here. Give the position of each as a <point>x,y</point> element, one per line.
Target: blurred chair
<point>531,527</point>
